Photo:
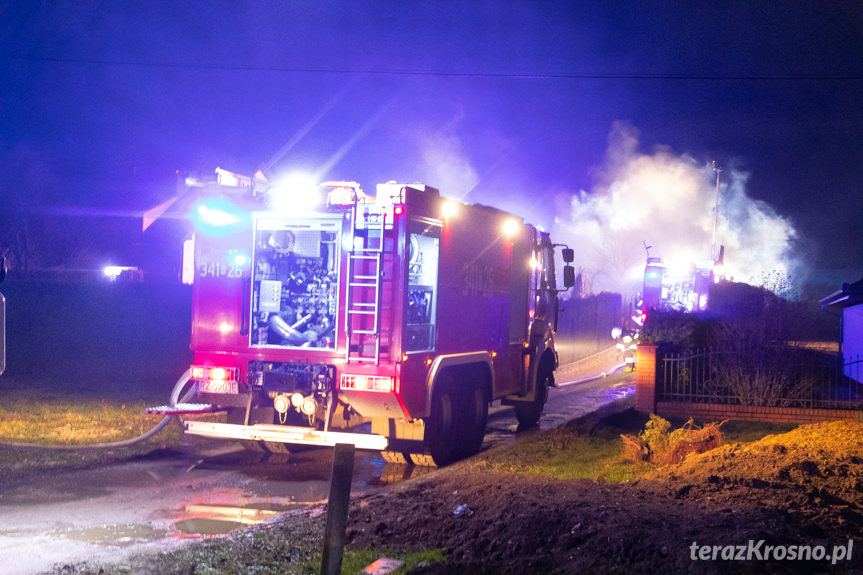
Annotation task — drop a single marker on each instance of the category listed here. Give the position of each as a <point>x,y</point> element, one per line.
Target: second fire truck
<point>390,322</point>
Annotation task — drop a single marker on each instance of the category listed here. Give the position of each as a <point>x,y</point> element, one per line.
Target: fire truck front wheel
<point>442,428</point>
<point>528,413</point>
<point>476,417</point>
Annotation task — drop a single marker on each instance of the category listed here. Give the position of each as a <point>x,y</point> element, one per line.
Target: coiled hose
<point>174,400</point>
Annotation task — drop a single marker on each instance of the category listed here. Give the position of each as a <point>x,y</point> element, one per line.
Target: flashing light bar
<point>367,383</point>
<point>345,194</point>
<point>218,217</point>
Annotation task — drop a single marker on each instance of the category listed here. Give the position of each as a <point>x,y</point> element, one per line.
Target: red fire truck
<point>682,288</point>
<point>390,322</point>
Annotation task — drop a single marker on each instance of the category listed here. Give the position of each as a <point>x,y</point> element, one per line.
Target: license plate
<point>217,386</point>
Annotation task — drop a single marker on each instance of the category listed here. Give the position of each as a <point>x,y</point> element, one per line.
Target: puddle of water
<point>117,535</point>
<point>245,515</point>
<point>220,519</point>
<point>223,510</point>
<point>206,527</point>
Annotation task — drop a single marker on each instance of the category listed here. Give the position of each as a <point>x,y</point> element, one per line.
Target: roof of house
<point>849,296</point>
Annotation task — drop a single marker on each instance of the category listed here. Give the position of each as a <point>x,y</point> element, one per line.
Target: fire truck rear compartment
<point>295,283</point>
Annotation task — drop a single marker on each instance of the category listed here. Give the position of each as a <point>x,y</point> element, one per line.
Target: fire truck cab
<point>322,315</point>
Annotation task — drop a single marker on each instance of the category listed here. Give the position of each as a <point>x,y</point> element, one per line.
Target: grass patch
<point>354,562</point>
<point>738,431</point>
<point>293,547</point>
<point>591,447</point>
<point>60,419</point>
<point>28,416</point>
<point>749,431</point>
<point>585,448</point>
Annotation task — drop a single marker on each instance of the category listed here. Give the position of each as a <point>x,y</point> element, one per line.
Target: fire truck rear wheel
<point>442,430</point>
<point>422,460</point>
<point>277,448</point>
<point>396,457</point>
<point>273,447</point>
<point>256,446</point>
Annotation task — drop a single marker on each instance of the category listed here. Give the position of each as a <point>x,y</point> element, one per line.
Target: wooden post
<point>337,509</point>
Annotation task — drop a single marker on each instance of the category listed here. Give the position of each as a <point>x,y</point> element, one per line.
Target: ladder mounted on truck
<point>365,284</point>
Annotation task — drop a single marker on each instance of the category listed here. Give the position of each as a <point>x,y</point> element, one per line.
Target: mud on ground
<point>802,488</point>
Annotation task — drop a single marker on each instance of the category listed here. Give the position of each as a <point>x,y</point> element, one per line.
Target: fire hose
<point>174,400</point>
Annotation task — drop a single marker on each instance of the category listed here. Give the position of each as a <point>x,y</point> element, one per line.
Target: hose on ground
<point>174,400</point>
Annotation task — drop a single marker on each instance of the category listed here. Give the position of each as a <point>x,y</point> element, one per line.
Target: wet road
<point>161,500</point>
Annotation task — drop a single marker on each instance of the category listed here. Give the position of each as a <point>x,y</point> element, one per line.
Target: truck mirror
<point>568,276</point>
<point>2,269</point>
<point>568,255</point>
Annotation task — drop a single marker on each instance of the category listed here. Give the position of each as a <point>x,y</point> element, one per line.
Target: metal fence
<point>784,379</point>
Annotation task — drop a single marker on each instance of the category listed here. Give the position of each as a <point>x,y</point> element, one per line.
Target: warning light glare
<point>510,228</point>
<point>449,209</point>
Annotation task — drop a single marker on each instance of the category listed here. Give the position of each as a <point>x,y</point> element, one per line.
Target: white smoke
<point>666,202</point>
<point>444,164</point>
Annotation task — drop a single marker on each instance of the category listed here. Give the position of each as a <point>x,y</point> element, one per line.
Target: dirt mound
<point>822,460</point>
<point>798,488</point>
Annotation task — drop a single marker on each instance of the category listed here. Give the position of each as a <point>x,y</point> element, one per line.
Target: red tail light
<point>208,373</point>
<point>367,383</point>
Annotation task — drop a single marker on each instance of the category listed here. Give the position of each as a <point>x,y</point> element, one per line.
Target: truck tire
<point>475,419</point>
<point>252,445</point>
<point>397,457</point>
<point>528,413</point>
<point>271,447</point>
<point>277,448</point>
<point>442,430</point>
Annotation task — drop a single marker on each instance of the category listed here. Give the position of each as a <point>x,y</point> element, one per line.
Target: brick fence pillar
<point>645,378</point>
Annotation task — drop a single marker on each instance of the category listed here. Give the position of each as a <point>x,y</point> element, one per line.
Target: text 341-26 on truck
<point>317,311</point>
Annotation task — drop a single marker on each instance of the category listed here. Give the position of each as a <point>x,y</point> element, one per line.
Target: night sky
<point>512,104</point>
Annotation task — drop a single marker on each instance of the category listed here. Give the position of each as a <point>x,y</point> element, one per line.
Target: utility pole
<point>718,170</point>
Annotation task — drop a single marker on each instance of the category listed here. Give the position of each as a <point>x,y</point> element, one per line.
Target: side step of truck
<point>183,409</point>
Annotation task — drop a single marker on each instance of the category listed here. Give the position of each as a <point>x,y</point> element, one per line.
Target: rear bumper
<point>285,434</point>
